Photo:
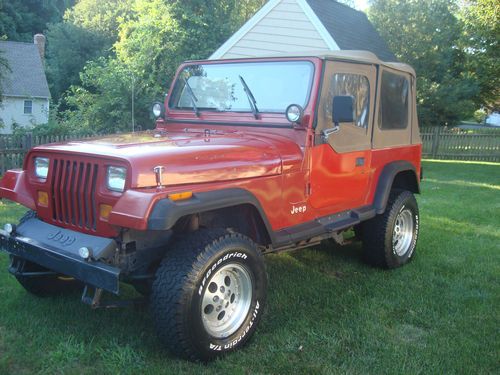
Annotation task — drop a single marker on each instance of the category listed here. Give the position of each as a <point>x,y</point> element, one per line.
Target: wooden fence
<point>438,143</point>
<point>13,148</point>
<point>457,144</point>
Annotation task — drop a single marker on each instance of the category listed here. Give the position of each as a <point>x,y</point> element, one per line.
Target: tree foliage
<point>102,102</point>
<point>69,48</point>
<point>88,32</point>
<point>481,40</point>
<point>21,19</point>
<point>153,40</point>
<point>426,34</point>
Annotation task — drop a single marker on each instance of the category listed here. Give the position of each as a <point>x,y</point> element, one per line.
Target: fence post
<point>435,141</point>
<point>2,155</point>
<point>28,141</point>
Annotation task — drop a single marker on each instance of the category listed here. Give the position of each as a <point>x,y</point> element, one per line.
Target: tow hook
<point>93,297</point>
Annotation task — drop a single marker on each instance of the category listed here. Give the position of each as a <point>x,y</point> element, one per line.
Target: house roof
<point>26,77</point>
<point>340,26</point>
<point>350,28</point>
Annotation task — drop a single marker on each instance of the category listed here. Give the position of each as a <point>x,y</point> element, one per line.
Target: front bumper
<point>35,242</point>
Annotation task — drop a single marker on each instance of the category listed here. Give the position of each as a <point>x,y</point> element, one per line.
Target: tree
<point>21,19</point>
<point>154,38</point>
<point>102,101</point>
<point>426,34</point>
<point>103,16</point>
<point>69,48</point>
<point>89,31</point>
<point>481,41</point>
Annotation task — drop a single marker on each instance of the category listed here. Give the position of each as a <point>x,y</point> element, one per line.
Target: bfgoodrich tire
<point>209,294</point>
<point>389,239</point>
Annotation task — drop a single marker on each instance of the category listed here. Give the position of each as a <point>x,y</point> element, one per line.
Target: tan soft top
<point>351,55</point>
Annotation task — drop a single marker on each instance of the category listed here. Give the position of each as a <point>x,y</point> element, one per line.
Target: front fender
<point>166,212</point>
<point>13,186</point>
<point>152,210</point>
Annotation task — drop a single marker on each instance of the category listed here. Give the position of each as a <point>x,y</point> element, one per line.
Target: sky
<point>361,4</point>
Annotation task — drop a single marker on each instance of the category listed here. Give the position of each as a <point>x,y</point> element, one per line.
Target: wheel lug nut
<point>216,298</point>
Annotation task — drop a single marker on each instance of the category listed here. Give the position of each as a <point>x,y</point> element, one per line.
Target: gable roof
<point>339,26</point>
<point>350,28</point>
<point>26,77</point>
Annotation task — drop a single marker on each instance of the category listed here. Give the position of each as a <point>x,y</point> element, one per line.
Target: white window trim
<point>24,106</point>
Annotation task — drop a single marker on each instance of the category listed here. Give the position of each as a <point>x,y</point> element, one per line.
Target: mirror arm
<point>326,133</point>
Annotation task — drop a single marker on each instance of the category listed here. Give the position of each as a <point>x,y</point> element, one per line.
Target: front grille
<point>73,193</point>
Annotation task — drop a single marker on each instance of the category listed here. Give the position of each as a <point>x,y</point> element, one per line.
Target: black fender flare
<point>386,180</point>
<point>166,212</point>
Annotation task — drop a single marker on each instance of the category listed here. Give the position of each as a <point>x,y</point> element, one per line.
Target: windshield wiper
<point>193,97</point>
<point>251,99</point>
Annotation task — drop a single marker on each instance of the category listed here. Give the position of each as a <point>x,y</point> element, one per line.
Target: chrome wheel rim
<point>226,300</point>
<point>402,236</point>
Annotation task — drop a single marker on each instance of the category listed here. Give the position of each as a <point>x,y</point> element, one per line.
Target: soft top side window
<point>394,100</point>
<point>355,85</point>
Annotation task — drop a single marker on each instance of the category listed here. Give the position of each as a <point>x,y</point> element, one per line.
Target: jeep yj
<point>248,157</point>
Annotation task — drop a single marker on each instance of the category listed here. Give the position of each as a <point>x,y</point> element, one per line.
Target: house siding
<point>286,28</point>
<point>12,111</point>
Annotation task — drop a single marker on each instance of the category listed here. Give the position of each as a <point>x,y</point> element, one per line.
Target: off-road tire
<point>378,233</point>
<point>183,279</point>
<point>43,286</point>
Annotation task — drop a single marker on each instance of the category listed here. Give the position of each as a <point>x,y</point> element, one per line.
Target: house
<point>288,26</point>
<point>25,92</point>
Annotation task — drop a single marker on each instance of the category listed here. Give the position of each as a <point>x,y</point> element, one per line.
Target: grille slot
<point>73,191</point>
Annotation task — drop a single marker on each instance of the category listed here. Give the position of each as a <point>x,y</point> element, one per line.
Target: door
<point>340,170</point>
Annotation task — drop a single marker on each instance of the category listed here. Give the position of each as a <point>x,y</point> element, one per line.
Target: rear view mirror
<point>342,109</point>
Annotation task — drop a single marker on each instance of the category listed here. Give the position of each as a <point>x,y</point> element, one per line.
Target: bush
<point>480,116</point>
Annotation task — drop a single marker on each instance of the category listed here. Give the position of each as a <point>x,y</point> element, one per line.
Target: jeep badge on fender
<point>249,156</point>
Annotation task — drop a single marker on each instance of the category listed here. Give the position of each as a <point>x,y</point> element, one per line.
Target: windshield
<point>221,87</point>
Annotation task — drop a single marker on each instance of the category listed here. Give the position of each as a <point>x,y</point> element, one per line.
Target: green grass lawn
<point>327,312</point>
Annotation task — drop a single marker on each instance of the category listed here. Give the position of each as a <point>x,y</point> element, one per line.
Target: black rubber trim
<point>227,123</point>
<point>166,212</point>
<point>385,181</point>
<point>97,274</point>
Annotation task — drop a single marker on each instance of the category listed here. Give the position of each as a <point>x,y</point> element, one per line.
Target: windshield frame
<point>172,109</point>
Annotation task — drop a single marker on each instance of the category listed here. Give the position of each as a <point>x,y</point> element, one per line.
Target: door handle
<point>360,162</point>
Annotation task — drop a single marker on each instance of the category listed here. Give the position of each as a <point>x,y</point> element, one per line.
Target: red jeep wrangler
<point>249,156</point>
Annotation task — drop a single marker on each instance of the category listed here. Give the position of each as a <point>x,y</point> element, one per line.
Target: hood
<point>192,156</point>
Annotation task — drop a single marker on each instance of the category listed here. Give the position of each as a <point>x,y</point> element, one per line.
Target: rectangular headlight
<point>116,177</point>
<point>42,167</point>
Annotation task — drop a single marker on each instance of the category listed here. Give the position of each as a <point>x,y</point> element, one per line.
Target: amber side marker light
<point>181,196</point>
<point>105,211</point>
<point>43,199</point>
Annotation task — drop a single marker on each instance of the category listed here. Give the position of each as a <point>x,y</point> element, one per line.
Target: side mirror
<point>342,109</point>
<point>158,109</point>
<point>294,113</point>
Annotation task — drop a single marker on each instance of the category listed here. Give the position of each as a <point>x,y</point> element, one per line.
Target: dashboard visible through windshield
<point>243,87</point>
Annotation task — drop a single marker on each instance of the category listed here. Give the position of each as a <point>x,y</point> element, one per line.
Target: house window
<point>28,107</point>
<point>394,101</point>
<point>357,86</point>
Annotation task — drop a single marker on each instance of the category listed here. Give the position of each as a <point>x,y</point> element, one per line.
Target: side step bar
<point>323,226</point>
